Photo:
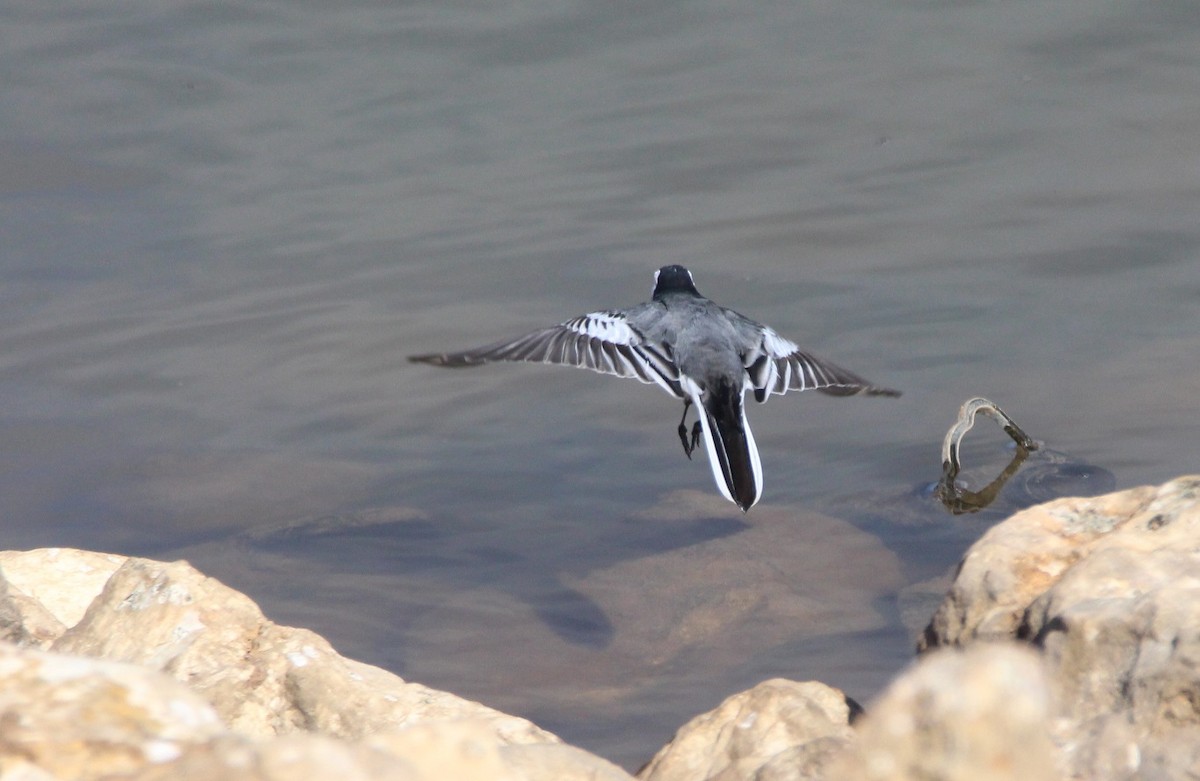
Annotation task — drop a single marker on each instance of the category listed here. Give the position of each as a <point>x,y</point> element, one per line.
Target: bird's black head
<point>673,279</point>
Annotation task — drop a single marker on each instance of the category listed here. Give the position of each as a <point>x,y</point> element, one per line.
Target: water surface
<point>225,226</point>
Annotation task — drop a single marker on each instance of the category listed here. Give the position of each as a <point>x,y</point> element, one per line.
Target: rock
<point>1020,559</point>
<point>70,717</point>
<point>262,678</point>
<point>457,751</point>
<point>779,730</point>
<point>558,762</point>
<point>982,714</point>
<point>288,758</point>
<point>204,686</point>
<point>75,718</point>
<point>49,589</point>
<point>23,621</point>
<point>463,751</point>
<point>1109,589</point>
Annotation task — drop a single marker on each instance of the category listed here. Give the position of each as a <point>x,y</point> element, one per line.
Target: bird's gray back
<point>705,343</point>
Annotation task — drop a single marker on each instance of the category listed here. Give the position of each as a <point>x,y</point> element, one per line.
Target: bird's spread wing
<point>777,365</point>
<point>604,342</point>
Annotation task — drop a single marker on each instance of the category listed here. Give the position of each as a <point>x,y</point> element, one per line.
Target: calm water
<point>224,226</point>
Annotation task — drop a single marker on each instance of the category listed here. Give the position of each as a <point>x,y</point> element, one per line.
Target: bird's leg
<point>683,432</point>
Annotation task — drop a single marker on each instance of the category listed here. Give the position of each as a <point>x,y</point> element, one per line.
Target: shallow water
<point>225,226</point>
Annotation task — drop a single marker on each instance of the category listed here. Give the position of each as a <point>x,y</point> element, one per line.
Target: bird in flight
<point>697,351</point>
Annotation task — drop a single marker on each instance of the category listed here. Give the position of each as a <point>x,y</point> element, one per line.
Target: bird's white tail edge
<point>714,460</point>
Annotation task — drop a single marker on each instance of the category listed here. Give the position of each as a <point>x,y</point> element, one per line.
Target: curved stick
<point>958,500</point>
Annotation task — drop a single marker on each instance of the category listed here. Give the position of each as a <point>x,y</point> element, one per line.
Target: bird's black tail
<point>731,445</point>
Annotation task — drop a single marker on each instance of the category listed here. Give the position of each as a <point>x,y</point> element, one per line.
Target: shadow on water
<point>575,618</point>
<point>460,556</point>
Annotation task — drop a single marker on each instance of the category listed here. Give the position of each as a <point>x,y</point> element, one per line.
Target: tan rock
<point>1109,589</point>
<point>458,751</point>
<point>1126,666</point>
<point>558,762</point>
<point>777,730</point>
<point>260,702</point>
<point>983,714</point>
<point>466,752</point>
<point>1018,560</point>
<point>23,620</point>
<point>262,678</point>
<point>75,718</point>
<point>70,717</point>
<point>49,589</point>
<point>286,758</point>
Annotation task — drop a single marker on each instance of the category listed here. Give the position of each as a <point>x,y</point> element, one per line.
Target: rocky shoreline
<point>1068,646</point>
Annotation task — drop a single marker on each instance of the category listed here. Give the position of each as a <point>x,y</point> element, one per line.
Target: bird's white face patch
<point>658,273</point>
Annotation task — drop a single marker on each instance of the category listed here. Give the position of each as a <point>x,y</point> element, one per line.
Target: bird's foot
<point>683,437</point>
<point>689,446</point>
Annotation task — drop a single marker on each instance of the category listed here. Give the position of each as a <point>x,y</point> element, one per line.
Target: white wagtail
<point>697,351</point>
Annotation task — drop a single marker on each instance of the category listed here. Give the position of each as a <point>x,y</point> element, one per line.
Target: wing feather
<point>777,365</point>
<point>603,342</point>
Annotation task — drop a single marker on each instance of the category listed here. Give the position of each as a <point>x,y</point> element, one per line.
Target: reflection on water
<point>223,231</point>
